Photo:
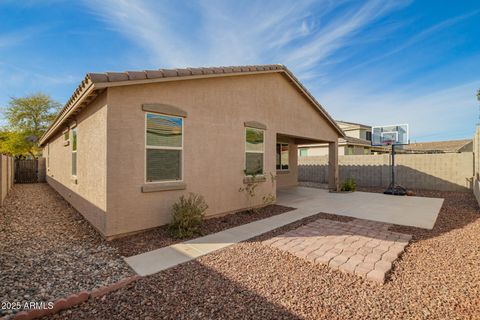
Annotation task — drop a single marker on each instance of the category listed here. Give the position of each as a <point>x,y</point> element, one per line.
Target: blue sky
<point>375,62</point>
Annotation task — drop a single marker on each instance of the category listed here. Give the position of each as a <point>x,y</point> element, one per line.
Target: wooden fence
<point>6,176</point>
<point>26,170</point>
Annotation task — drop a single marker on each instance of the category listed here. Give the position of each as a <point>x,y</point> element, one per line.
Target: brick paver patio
<point>361,247</point>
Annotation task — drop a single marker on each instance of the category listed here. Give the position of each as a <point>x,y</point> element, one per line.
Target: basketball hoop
<point>391,135</point>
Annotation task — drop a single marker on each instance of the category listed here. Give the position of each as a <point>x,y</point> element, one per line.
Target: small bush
<point>188,214</point>
<point>349,185</point>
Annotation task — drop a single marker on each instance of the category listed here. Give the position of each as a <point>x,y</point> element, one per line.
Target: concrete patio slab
<point>419,212</point>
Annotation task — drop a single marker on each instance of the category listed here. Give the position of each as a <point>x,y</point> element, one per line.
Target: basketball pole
<point>393,188</point>
<point>393,165</point>
<point>391,135</point>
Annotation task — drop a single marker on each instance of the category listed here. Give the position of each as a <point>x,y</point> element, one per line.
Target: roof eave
<point>69,108</point>
<point>93,82</point>
<point>284,70</point>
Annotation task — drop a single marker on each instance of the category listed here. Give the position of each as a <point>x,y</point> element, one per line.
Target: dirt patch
<point>436,278</point>
<point>48,250</point>
<point>160,237</point>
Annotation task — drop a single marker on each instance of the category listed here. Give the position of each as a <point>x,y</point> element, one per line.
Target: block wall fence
<point>476,164</point>
<point>445,171</point>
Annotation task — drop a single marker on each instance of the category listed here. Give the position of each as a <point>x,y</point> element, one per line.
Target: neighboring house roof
<point>348,141</point>
<point>95,83</point>
<point>354,141</point>
<point>438,146</point>
<point>346,125</point>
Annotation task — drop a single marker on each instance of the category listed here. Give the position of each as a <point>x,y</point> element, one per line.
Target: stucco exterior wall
<point>342,150</point>
<point>354,133</point>
<point>87,193</point>
<point>356,150</point>
<point>320,151</point>
<point>214,142</point>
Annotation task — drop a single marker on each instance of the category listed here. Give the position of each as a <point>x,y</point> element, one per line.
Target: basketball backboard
<point>392,134</point>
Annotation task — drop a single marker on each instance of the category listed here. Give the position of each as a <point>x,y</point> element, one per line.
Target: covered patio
<point>418,212</point>
<point>287,160</point>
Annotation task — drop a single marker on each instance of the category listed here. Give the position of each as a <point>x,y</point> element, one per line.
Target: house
<point>450,146</point>
<point>127,145</point>
<point>358,140</point>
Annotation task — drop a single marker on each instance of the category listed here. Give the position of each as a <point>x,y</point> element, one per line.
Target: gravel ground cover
<point>159,237</point>
<point>438,277</point>
<point>48,251</point>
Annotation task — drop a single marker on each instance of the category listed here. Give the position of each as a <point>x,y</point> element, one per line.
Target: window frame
<point>368,135</point>
<point>74,142</point>
<point>146,147</point>
<point>288,151</point>
<point>48,156</point>
<point>262,152</point>
<point>303,149</point>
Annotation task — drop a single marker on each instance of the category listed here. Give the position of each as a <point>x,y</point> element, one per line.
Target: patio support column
<point>333,176</point>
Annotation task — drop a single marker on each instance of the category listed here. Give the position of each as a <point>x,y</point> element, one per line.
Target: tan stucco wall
<point>88,194</point>
<point>214,142</point>
<point>342,150</point>
<point>319,151</point>
<point>354,133</point>
<point>357,150</point>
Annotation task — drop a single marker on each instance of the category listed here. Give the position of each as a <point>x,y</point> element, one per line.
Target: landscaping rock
<point>49,251</point>
<point>437,277</point>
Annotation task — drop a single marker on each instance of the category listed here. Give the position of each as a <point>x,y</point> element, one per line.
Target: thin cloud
<point>423,35</point>
<point>266,31</point>
<point>12,39</point>
<point>336,34</point>
<point>316,39</point>
<point>430,114</point>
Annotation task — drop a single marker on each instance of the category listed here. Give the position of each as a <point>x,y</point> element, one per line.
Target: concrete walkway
<point>412,211</point>
<point>418,212</point>
<point>157,260</point>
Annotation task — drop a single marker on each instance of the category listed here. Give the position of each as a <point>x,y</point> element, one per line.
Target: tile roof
<point>438,146</point>
<point>352,124</point>
<point>168,73</point>
<point>357,141</point>
<point>94,83</point>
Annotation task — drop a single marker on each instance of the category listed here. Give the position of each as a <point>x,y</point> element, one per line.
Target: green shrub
<point>188,214</point>
<point>349,185</point>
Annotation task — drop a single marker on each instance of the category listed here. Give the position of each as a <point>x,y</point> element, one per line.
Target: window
<point>369,135</point>
<point>74,152</point>
<point>303,152</point>
<point>254,151</point>
<point>282,156</point>
<point>349,150</point>
<point>164,146</point>
<point>66,135</point>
